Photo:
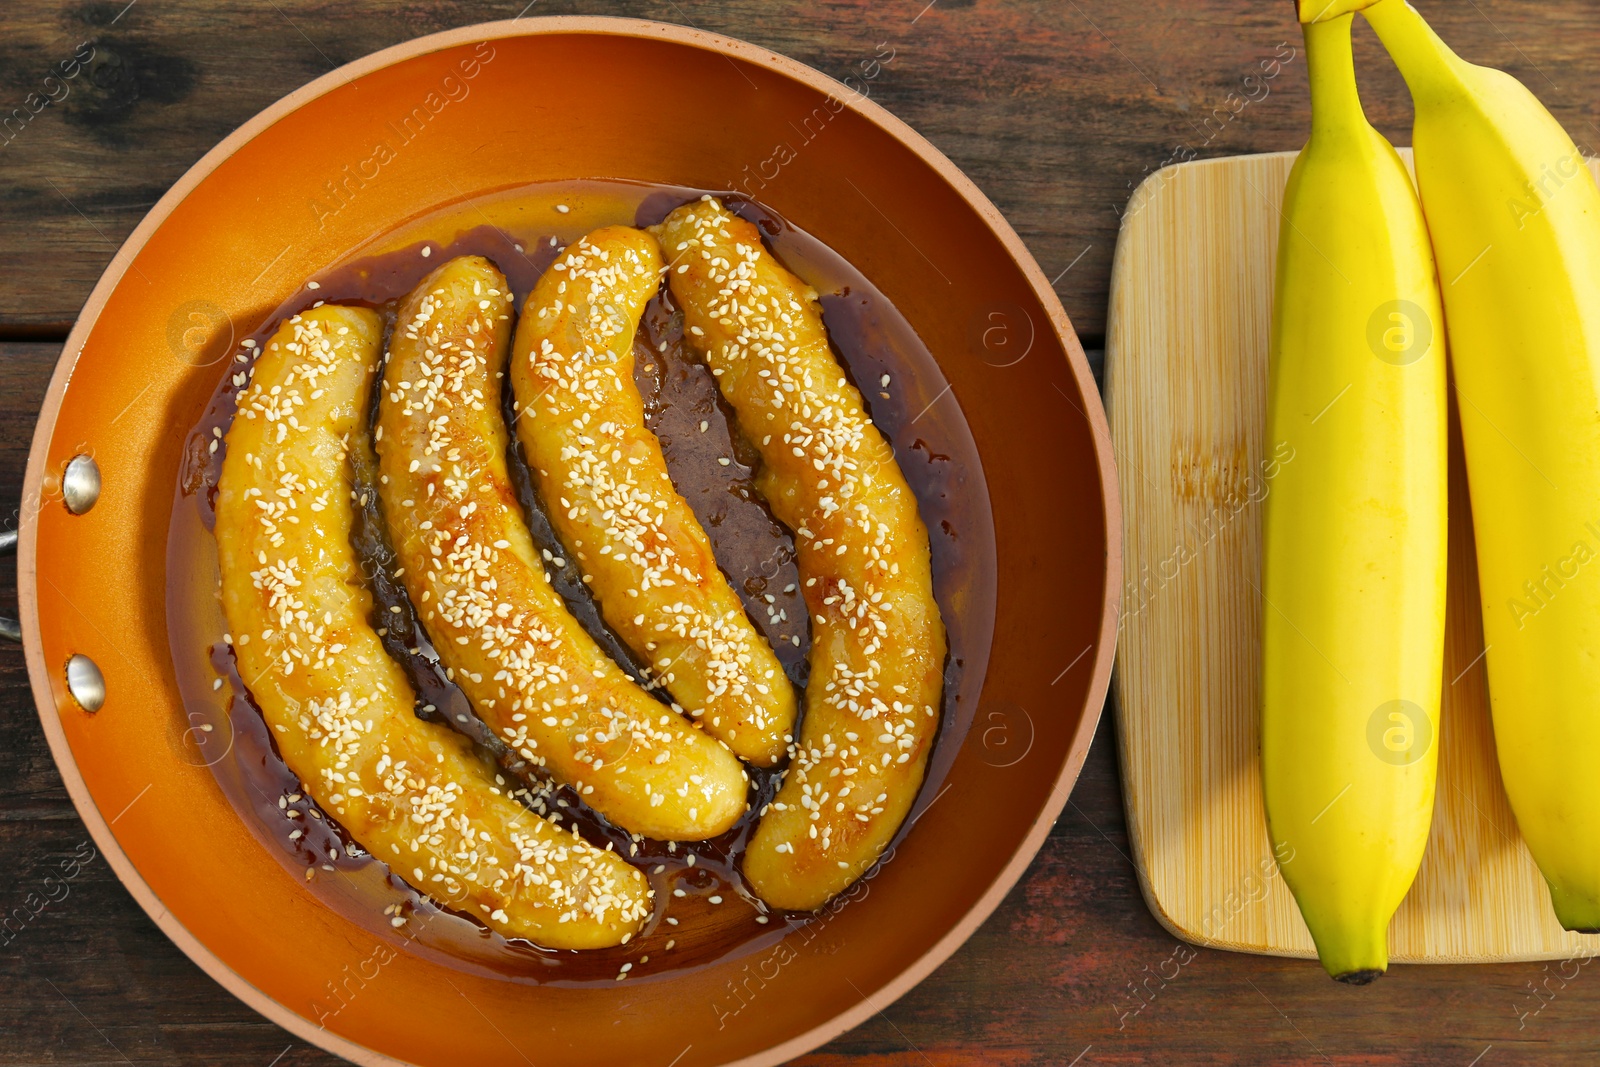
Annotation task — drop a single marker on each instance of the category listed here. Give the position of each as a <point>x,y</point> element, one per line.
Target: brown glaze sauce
<point>522,231</point>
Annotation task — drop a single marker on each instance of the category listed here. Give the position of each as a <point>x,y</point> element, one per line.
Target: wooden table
<point>1056,108</point>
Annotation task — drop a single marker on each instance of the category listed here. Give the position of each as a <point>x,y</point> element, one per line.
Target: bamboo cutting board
<point>1186,378</point>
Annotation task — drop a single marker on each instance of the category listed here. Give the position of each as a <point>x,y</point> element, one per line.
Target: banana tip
<point>1361,977</point>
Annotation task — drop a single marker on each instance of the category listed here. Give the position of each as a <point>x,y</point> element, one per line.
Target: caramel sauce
<point>522,231</point>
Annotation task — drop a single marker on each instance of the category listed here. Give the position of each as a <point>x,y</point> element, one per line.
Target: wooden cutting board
<point>1186,378</point>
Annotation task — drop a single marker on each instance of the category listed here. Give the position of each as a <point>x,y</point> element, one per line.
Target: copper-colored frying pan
<point>562,98</point>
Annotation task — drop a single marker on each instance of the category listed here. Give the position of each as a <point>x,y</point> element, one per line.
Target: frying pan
<point>562,98</point>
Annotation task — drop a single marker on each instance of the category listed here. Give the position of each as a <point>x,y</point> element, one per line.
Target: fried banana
<point>877,641</point>
<point>410,792</point>
<point>601,471</point>
<point>534,676</point>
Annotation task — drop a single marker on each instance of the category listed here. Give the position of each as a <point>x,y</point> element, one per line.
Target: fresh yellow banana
<point>1354,547</point>
<point>1515,219</point>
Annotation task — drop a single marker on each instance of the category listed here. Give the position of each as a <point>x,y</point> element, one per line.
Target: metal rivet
<point>85,682</point>
<point>80,484</point>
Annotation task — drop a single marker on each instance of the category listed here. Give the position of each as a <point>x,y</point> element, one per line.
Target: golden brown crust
<point>601,472</point>
<point>878,643</point>
<point>410,792</point>
<point>535,677</point>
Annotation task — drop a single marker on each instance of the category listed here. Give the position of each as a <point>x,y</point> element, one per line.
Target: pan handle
<point>10,629</point>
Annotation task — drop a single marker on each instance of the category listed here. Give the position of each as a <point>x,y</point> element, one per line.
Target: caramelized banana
<point>601,471</point>
<point>535,677</point>
<point>410,792</point>
<point>878,643</point>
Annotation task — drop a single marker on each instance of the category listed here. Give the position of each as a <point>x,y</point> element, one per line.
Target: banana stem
<point>1335,104</point>
<point>1323,10</point>
<point>1428,65</point>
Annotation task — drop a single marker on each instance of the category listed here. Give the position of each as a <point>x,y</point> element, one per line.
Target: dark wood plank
<point>30,788</point>
<point>1055,109</point>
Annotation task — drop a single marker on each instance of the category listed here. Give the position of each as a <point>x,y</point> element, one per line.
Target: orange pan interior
<point>560,99</point>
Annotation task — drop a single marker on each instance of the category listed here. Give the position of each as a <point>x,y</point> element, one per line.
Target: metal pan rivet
<point>80,484</point>
<point>85,682</point>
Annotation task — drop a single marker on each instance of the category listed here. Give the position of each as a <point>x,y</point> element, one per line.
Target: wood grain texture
<point>1186,357</point>
<point>1056,109</point>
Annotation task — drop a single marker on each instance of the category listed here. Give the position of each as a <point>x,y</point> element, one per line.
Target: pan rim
<point>39,672</point>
